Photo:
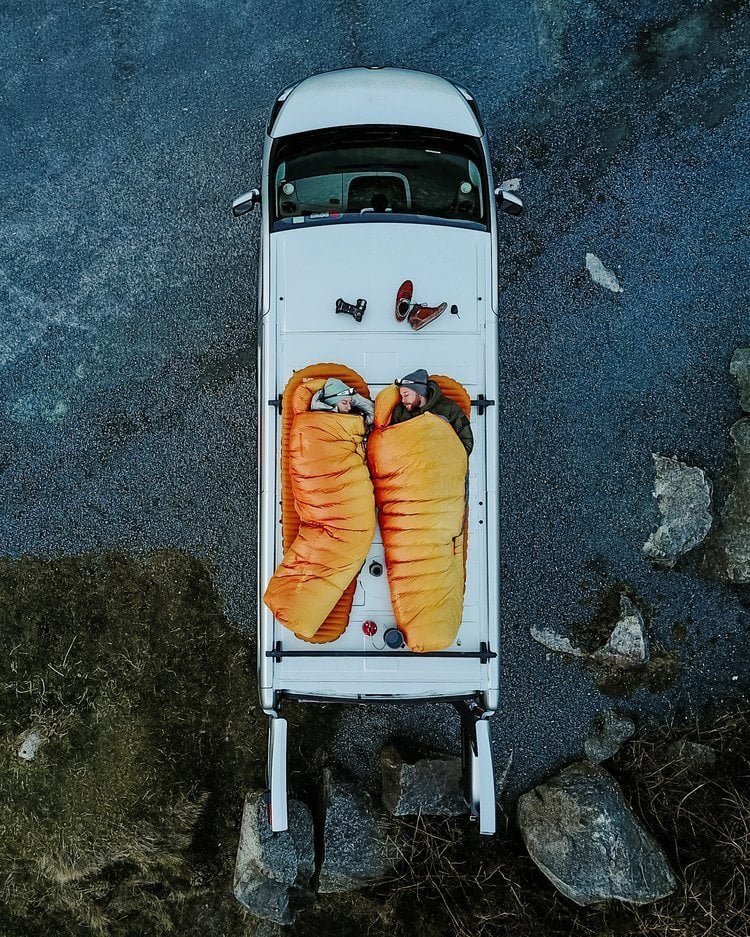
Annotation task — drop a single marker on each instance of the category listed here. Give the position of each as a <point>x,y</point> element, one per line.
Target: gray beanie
<point>334,391</point>
<point>415,380</point>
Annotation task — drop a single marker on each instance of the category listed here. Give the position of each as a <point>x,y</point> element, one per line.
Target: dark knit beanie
<point>415,380</point>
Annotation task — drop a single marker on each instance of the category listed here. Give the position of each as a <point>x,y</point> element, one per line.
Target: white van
<point>371,177</point>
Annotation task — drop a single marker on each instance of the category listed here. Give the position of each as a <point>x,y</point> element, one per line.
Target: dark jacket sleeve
<point>460,423</point>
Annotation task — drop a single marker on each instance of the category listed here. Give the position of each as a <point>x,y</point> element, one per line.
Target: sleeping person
<point>418,457</point>
<point>333,497</point>
<point>335,395</point>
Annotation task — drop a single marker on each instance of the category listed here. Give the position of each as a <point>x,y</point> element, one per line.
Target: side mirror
<point>508,202</point>
<point>245,202</point>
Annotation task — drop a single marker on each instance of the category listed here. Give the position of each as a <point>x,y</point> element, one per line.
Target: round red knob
<point>369,628</point>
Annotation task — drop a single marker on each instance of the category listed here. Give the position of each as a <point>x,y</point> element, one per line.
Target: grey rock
<point>287,857</point>
<point>415,781</point>
<point>740,433</point>
<point>266,899</point>
<point>31,742</point>
<point>584,837</point>
<point>683,493</point>
<point>357,845</point>
<point>273,870</point>
<point>739,368</point>
<point>612,730</point>
<point>627,645</point>
<point>728,556</point>
<point>555,642</point>
<point>601,275</point>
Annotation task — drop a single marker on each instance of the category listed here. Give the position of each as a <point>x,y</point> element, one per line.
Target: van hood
<point>356,96</point>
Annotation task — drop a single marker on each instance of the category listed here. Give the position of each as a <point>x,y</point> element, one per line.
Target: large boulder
<point>584,837</point>
<point>683,493</point>
<point>417,781</point>
<point>728,555</point>
<point>357,846</point>
<point>739,368</point>
<point>273,870</point>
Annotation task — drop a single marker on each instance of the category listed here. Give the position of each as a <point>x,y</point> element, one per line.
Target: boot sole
<point>403,298</point>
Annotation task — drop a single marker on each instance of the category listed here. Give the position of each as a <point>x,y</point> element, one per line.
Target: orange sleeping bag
<point>419,470</point>
<point>332,509</point>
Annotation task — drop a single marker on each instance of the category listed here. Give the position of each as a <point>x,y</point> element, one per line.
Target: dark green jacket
<point>440,406</point>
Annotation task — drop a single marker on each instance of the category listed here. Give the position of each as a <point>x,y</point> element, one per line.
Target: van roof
<point>310,268</point>
<point>355,96</point>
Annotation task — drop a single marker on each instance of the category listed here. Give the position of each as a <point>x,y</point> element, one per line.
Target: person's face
<point>409,398</point>
<point>344,405</point>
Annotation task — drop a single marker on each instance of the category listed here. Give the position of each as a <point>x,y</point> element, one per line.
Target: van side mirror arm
<point>245,202</point>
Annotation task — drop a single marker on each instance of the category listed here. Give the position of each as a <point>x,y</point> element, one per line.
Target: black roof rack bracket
<point>481,403</point>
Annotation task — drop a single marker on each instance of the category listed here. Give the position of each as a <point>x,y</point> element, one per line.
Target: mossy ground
<point>126,821</point>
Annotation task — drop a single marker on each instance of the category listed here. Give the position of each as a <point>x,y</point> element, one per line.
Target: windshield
<point>377,174</point>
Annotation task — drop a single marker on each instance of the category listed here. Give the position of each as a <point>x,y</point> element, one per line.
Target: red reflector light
<point>369,628</point>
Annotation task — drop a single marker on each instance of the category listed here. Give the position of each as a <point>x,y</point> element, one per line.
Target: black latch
<point>481,403</point>
<point>276,403</point>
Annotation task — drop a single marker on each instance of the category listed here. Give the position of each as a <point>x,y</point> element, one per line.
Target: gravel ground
<point>127,330</point>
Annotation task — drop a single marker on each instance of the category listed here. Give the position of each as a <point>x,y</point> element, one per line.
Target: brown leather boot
<point>421,315</point>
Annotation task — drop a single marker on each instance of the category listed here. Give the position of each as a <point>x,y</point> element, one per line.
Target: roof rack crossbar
<point>483,654</point>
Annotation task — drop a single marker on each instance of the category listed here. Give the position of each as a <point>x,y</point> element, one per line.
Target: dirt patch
<point>592,632</point>
<point>659,673</point>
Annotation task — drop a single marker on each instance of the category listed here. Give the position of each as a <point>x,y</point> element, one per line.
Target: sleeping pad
<point>418,468</point>
<point>332,493</point>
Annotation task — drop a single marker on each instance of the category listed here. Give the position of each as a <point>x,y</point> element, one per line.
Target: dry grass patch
<point>452,883</point>
<point>700,810</point>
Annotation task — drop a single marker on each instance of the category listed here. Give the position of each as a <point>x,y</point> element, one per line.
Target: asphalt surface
<point>127,327</point>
